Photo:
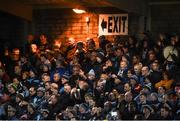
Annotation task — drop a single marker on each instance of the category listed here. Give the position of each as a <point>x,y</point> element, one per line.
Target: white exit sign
<point>113,24</point>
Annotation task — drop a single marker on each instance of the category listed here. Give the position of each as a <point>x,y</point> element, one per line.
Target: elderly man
<point>145,72</point>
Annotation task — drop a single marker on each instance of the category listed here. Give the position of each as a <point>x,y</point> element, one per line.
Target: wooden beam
<point>17,9</point>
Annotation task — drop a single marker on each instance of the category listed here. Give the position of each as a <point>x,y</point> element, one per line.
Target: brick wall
<point>165,18</point>
<point>64,23</point>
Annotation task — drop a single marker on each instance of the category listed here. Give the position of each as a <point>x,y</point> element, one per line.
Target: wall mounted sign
<point>113,24</point>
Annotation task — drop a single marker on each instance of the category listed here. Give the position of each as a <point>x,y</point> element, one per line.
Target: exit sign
<point>113,24</point>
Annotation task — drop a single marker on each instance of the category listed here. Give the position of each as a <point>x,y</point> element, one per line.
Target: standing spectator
<point>147,110</point>
<point>57,79</point>
<point>103,42</point>
<point>165,114</point>
<point>122,73</point>
<point>4,76</point>
<point>145,72</point>
<point>166,82</point>
<point>44,45</point>
<point>131,111</point>
<point>32,94</point>
<point>33,80</point>
<point>53,106</point>
<point>31,114</point>
<point>12,88</point>
<point>80,52</point>
<point>11,113</point>
<point>91,46</point>
<point>27,46</point>
<point>38,100</point>
<point>77,75</point>
<point>156,74</point>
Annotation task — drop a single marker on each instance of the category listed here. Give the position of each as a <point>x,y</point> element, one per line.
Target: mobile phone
<point>113,113</point>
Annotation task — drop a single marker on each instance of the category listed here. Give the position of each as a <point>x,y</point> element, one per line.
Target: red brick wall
<point>65,24</point>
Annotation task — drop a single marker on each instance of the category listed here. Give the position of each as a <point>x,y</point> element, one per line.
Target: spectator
<point>11,113</point>
<point>166,82</point>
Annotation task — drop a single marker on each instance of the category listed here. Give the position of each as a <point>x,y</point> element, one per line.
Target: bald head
<point>128,96</point>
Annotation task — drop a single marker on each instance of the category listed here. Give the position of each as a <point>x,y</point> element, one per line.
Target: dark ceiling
<point>135,6</point>
<point>24,8</point>
<point>68,3</point>
<point>86,3</point>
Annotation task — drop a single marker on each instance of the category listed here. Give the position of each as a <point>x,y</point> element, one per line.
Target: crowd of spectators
<point>124,79</point>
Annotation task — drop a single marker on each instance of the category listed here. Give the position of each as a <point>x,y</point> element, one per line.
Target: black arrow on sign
<point>103,24</point>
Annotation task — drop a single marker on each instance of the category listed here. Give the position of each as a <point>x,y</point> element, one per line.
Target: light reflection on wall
<point>81,27</point>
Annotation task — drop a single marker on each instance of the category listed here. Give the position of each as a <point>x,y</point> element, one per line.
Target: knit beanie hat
<point>91,72</point>
<point>13,86</point>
